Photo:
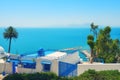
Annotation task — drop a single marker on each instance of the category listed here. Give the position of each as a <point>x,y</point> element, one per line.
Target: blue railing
<point>29,65</point>
<point>99,60</point>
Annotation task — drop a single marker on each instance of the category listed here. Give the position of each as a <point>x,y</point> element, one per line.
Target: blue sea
<point>32,39</point>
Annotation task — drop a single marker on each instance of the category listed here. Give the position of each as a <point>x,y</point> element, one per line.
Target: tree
<point>104,46</point>
<point>90,42</point>
<point>108,48</point>
<point>10,33</point>
<point>94,29</point>
<point>104,41</point>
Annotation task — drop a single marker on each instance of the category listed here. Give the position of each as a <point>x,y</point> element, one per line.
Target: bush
<point>87,75</point>
<point>14,77</point>
<point>100,75</point>
<point>34,76</point>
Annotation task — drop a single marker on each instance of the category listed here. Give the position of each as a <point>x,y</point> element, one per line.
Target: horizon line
<point>61,26</point>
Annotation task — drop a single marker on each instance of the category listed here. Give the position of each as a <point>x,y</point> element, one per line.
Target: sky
<point>49,13</point>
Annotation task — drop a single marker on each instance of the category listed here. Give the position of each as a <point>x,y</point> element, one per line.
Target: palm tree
<point>94,29</point>
<point>10,33</point>
<point>90,42</point>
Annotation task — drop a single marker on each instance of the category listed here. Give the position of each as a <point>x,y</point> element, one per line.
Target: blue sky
<point>47,13</point>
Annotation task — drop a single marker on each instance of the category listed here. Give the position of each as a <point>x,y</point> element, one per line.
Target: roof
<point>13,56</point>
<point>55,55</point>
<point>71,58</point>
<point>28,58</point>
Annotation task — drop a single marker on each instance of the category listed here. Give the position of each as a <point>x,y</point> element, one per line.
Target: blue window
<point>46,65</point>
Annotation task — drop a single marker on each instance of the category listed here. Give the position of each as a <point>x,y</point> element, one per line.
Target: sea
<point>32,39</point>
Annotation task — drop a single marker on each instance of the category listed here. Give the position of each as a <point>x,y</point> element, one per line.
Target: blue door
<point>13,67</point>
<point>67,69</point>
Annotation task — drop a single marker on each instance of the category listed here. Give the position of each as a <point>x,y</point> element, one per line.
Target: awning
<point>45,62</point>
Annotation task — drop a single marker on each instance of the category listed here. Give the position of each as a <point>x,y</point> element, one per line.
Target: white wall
<point>39,68</point>
<point>54,66</point>
<point>38,65</point>
<point>98,67</point>
<point>25,70</point>
<point>8,67</point>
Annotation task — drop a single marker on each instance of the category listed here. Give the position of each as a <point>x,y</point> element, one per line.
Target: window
<point>46,67</point>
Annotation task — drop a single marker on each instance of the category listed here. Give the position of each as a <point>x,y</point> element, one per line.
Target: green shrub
<point>100,75</point>
<point>14,77</point>
<point>87,75</point>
